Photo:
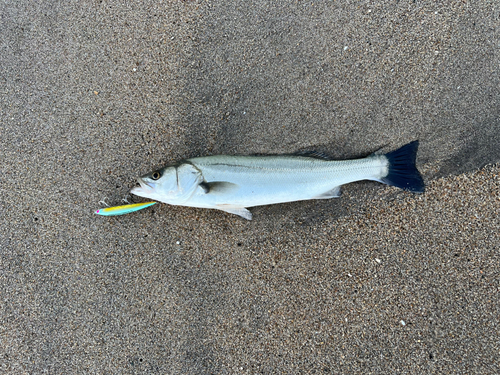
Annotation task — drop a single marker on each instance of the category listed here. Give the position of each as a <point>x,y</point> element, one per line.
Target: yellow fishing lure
<point>122,210</point>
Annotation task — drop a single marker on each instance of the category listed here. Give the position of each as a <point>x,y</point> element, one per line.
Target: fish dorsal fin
<point>313,154</point>
<point>333,193</point>
<point>218,187</point>
<point>237,210</point>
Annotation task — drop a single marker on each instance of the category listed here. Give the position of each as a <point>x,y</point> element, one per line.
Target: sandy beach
<point>94,94</point>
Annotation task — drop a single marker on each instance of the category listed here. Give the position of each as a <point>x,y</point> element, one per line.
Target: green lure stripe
<point>122,210</point>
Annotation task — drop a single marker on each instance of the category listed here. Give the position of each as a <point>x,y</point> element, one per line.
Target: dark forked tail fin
<point>402,170</point>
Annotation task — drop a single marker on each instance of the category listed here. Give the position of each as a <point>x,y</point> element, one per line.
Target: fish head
<point>172,184</point>
<point>159,185</point>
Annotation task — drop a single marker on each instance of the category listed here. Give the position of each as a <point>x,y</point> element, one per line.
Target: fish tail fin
<point>403,172</point>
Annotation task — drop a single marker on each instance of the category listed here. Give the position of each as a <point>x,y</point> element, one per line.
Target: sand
<point>94,94</point>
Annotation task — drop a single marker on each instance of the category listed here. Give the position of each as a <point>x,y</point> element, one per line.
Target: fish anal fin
<point>237,210</point>
<point>333,193</point>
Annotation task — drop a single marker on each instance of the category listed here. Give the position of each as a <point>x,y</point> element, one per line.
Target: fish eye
<point>155,175</point>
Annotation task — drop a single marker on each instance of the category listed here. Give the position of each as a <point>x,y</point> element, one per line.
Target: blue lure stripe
<point>122,210</point>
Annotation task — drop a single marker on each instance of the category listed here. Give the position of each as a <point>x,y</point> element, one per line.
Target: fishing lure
<point>122,210</point>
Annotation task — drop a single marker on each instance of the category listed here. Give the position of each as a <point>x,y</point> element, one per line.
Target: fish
<point>235,183</point>
<point>122,210</point>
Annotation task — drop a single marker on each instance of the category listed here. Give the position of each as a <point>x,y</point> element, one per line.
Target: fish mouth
<point>143,189</point>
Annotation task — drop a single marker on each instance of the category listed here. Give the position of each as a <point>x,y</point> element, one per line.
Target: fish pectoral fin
<point>333,193</point>
<point>237,210</point>
<point>219,187</point>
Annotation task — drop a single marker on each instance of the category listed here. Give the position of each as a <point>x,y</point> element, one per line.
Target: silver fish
<point>233,183</point>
